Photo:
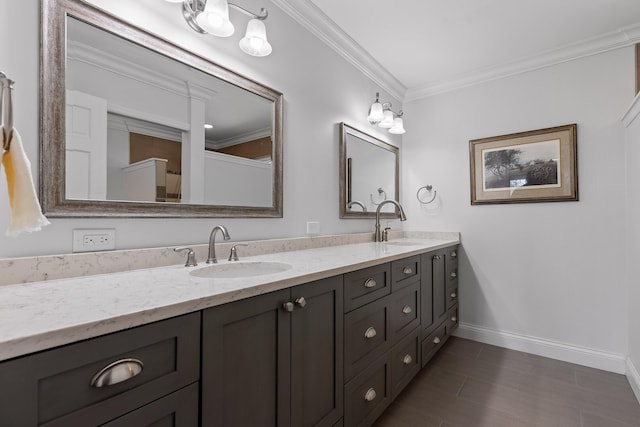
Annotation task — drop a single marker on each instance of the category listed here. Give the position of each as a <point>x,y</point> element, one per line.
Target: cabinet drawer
<point>452,257</point>
<point>405,272</point>
<point>53,388</point>
<point>452,321</point>
<point>404,311</point>
<point>364,286</point>
<point>405,362</point>
<point>452,294</point>
<point>433,342</point>
<point>366,336</point>
<point>179,409</point>
<point>368,394</point>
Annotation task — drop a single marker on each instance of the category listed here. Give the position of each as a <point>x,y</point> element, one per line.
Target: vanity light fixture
<point>382,115</point>
<point>212,17</point>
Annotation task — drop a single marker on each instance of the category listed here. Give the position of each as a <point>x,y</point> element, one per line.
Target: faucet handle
<point>191,256</point>
<point>385,234</point>
<point>233,255</point>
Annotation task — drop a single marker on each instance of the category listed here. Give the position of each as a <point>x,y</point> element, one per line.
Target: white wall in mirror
<point>311,133</point>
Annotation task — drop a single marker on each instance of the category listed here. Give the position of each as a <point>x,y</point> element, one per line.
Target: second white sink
<point>240,269</point>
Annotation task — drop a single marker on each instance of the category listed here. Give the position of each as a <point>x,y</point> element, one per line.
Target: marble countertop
<point>41,315</point>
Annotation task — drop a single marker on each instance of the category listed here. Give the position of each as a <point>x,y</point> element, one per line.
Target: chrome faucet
<point>212,242</point>
<point>378,233</point>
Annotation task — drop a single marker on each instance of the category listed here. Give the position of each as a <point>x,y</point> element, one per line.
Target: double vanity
<point>323,336</point>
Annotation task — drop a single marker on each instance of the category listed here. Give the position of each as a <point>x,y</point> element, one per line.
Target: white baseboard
<point>569,353</point>
<point>634,378</point>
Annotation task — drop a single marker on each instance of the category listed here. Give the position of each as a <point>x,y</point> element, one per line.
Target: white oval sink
<point>401,243</point>
<point>240,269</point>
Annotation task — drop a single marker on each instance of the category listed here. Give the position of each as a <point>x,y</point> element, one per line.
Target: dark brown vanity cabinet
<point>275,359</point>
<point>142,376</point>
<point>439,299</point>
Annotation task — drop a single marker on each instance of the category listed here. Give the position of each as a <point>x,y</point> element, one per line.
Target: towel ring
<point>380,192</point>
<point>7,109</point>
<point>429,189</point>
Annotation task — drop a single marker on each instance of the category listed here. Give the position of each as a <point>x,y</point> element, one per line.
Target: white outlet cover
<point>313,227</point>
<point>94,239</point>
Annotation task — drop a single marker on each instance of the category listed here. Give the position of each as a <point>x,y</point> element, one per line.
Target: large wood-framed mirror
<point>123,133</point>
<point>369,174</point>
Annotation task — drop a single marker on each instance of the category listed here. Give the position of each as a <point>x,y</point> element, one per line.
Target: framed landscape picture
<point>534,166</point>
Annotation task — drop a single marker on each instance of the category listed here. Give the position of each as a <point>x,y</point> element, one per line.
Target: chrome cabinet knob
<point>407,359</point>
<point>436,257</point>
<point>406,309</point>
<point>407,270</point>
<point>370,332</point>
<point>288,306</point>
<point>370,395</point>
<point>301,302</point>
<point>436,340</point>
<point>117,372</point>
<point>454,319</point>
<point>370,283</point>
<point>454,275</point>
<point>453,295</point>
<point>454,254</point>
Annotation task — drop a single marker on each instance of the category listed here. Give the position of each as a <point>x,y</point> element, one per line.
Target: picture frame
<point>526,167</point>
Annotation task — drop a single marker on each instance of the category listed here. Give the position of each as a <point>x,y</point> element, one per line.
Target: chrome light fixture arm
<point>192,8</point>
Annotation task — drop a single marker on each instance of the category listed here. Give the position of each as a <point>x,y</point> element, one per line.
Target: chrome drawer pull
<point>406,309</point>
<point>117,372</point>
<point>454,254</point>
<point>301,302</point>
<point>436,340</point>
<point>370,332</point>
<point>436,257</point>
<point>407,359</point>
<point>454,275</point>
<point>407,270</point>
<point>370,283</point>
<point>454,319</point>
<point>288,307</point>
<point>453,295</point>
<point>370,395</point>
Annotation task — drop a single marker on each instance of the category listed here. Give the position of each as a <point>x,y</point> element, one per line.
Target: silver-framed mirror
<point>369,174</point>
<point>123,125</point>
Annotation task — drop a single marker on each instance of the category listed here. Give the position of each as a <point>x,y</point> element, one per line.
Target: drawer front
<point>452,294</point>
<point>433,342</point>
<point>404,272</point>
<point>169,351</point>
<point>179,409</point>
<point>364,286</point>
<point>366,336</point>
<point>404,311</point>
<point>452,257</point>
<point>368,394</point>
<point>452,321</point>
<point>405,362</point>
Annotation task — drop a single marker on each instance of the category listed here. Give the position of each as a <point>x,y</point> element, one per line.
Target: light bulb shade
<point>387,122</point>
<point>255,42</point>
<point>214,19</point>
<point>398,126</point>
<point>375,113</point>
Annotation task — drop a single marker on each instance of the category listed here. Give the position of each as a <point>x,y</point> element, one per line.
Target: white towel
<point>26,214</point>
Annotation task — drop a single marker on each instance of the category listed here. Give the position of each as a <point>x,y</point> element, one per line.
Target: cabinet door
<point>246,363</point>
<point>317,356</point>
<point>433,290</point>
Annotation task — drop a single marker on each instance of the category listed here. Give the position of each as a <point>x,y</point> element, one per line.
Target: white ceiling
<point>416,48</point>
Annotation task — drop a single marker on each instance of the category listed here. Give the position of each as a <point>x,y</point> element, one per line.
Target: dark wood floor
<point>469,384</point>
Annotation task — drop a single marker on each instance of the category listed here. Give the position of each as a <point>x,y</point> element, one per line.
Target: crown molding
<point>319,24</point>
<point>239,139</point>
<point>623,37</point>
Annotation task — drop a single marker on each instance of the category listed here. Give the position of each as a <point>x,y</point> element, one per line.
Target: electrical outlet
<point>313,227</point>
<point>96,239</point>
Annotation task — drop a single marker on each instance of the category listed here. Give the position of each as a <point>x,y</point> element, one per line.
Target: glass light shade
<point>398,126</point>
<point>214,19</point>
<point>387,122</point>
<point>375,113</point>
<point>255,42</point>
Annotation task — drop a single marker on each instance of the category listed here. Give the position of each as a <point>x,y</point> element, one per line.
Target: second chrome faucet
<point>212,242</point>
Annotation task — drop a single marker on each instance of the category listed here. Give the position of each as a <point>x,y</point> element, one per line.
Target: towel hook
<point>7,109</point>
<point>429,189</point>
<point>380,193</point>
